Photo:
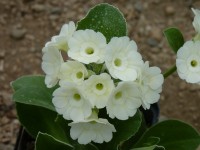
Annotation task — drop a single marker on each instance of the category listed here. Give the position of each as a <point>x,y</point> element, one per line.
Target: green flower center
<point>194,63</point>
<point>77,97</point>
<point>99,86</point>
<point>118,62</point>
<point>89,50</point>
<point>118,95</point>
<point>79,75</point>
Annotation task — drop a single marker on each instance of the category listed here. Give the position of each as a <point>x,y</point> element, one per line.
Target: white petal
<point>122,59</point>
<point>87,46</point>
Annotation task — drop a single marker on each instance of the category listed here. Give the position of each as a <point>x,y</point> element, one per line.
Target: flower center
<point>77,97</point>
<point>193,63</point>
<point>118,95</point>
<point>99,86</point>
<point>118,62</point>
<point>89,50</point>
<point>79,75</point>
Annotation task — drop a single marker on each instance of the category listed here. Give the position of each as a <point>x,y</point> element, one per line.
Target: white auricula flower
<point>70,102</point>
<point>72,71</point>
<point>98,89</point>
<point>196,21</point>
<point>93,129</point>
<point>87,46</point>
<point>124,101</point>
<point>122,59</point>
<point>51,63</point>
<point>188,62</point>
<point>61,40</point>
<point>150,82</point>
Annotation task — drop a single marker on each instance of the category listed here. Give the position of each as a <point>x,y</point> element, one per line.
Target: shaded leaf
<point>174,38</point>
<point>47,142</point>
<point>150,144</point>
<point>33,91</point>
<point>38,119</point>
<point>174,135</point>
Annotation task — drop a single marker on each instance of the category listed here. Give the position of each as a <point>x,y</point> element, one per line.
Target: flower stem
<point>169,71</point>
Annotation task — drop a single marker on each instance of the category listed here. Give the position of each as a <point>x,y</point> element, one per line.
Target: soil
<point>26,25</point>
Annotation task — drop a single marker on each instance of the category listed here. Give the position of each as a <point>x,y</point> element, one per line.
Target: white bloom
<point>71,103</point>
<point>124,101</point>
<point>122,59</point>
<point>196,21</point>
<point>87,46</point>
<point>92,129</point>
<point>72,71</point>
<point>150,81</point>
<point>188,62</point>
<point>51,63</point>
<point>98,89</point>
<point>61,40</point>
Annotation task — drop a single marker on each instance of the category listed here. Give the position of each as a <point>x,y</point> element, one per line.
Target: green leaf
<point>28,81</point>
<point>33,91</point>
<point>174,135</point>
<point>125,130</point>
<point>38,119</point>
<point>174,38</point>
<point>47,142</point>
<point>85,147</point>
<point>106,19</point>
<point>150,144</point>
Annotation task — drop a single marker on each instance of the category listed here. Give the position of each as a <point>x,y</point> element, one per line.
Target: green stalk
<point>169,71</point>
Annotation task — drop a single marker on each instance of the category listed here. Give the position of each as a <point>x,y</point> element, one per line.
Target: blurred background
<point>26,25</point>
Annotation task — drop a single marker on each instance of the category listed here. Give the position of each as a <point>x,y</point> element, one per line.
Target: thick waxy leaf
<point>38,119</point>
<point>33,91</point>
<point>174,38</point>
<point>150,144</point>
<point>174,135</point>
<point>47,142</point>
<point>106,19</point>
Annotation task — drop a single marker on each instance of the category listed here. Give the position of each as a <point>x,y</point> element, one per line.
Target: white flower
<point>72,71</point>
<point>71,103</point>
<point>124,101</point>
<point>61,40</point>
<point>87,46</point>
<point>188,62</point>
<point>92,129</point>
<point>122,59</point>
<point>150,81</point>
<point>51,63</point>
<point>98,89</point>
<point>196,21</point>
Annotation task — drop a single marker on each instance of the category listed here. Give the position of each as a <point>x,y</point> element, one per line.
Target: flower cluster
<point>97,76</point>
<point>188,56</point>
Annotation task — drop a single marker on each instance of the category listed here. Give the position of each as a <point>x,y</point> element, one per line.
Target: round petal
<point>51,63</point>
<point>87,46</point>
<point>98,89</point>
<point>122,59</point>
<point>61,41</point>
<point>70,102</point>
<point>72,71</point>
<point>124,101</point>
<point>188,62</point>
<point>150,82</point>
<point>96,130</point>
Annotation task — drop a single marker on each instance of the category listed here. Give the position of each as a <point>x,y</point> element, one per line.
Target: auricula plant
<point>93,99</point>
